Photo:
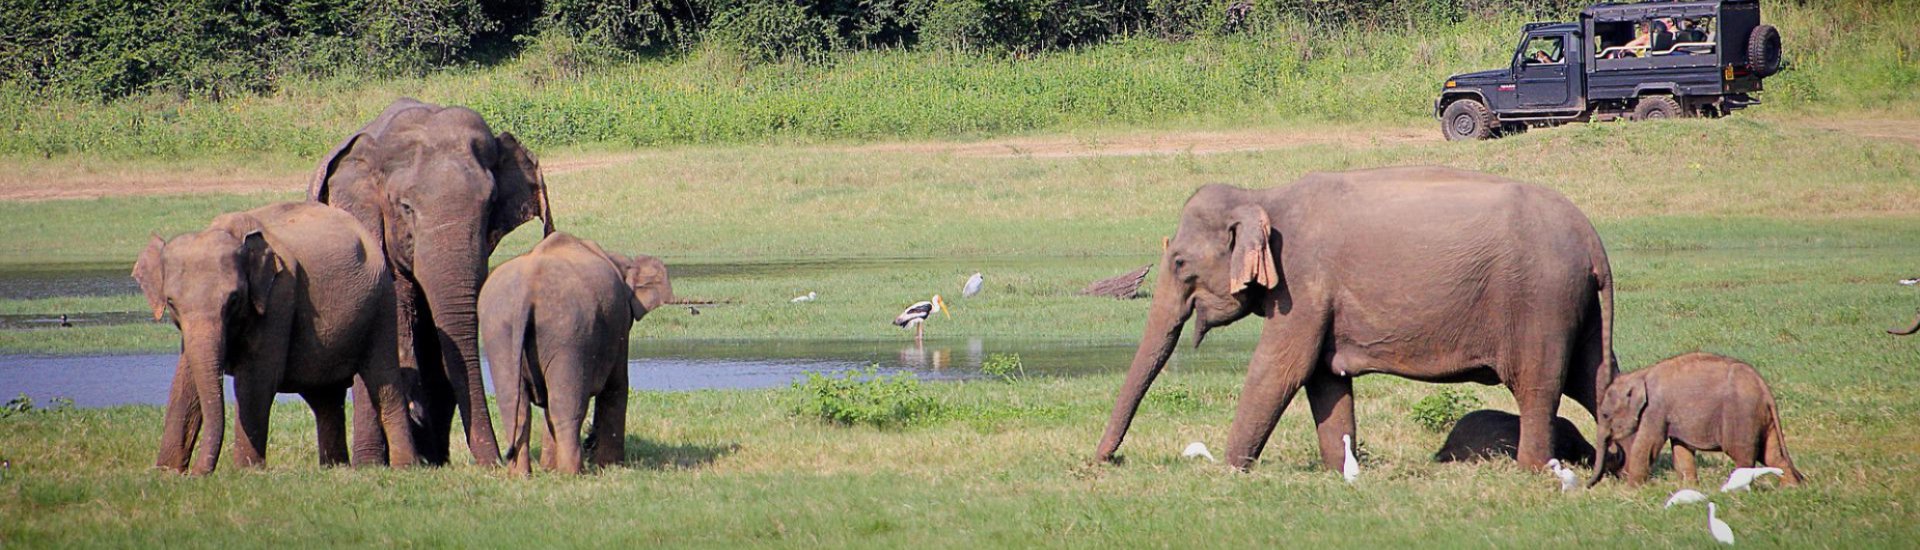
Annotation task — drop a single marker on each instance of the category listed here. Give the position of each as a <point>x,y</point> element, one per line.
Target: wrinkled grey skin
<point>555,323</point>
<point>1699,402</point>
<point>439,190</point>
<point>287,298</point>
<point>1488,433</point>
<point>1428,273</point>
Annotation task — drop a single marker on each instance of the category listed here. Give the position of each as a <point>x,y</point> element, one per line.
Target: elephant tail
<point>1775,443</point>
<point>507,339</point>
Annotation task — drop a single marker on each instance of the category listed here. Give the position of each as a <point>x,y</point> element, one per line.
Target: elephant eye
<point>406,208</point>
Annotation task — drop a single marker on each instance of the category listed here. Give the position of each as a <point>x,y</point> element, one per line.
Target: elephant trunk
<point>451,296</point>
<point>1171,308</point>
<point>203,351</point>
<point>1609,455</point>
<point>1915,327</point>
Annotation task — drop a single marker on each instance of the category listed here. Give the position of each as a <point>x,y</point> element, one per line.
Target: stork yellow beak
<point>941,305</point>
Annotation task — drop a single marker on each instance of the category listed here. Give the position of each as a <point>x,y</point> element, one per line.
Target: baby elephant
<point>555,324</point>
<point>1488,433</point>
<point>286,298</point>
<point>1699,401</point>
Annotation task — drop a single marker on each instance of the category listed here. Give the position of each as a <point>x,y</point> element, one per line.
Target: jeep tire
<point>1657,107</point>
<point>1763,51</point>
<point>1467,119</point>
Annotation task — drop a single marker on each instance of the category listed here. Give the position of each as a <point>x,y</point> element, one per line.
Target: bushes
<point>1437,411</point>
<point>865,397</point>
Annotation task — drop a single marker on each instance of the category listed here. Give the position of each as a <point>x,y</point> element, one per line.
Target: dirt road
<point>79,181</point>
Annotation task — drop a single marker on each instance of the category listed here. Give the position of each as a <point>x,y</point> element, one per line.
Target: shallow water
<point>53,281</point>
<point>677,365</point>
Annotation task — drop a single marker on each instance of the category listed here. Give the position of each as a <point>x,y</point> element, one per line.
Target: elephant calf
<point>290,297</point>
<point>1700,402</point>
<point>1488,433</point>
<point>554,323</point>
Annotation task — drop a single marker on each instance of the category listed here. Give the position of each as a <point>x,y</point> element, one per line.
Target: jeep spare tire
<point>1763,51</point>
<point>1467,119</point>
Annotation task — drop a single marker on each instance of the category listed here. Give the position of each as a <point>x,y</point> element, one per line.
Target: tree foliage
<point>105,49</point>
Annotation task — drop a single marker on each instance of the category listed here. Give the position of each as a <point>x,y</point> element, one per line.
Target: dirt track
<point>38,185</point>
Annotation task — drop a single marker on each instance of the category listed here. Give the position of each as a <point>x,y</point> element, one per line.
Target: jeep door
<point>1543,76</point>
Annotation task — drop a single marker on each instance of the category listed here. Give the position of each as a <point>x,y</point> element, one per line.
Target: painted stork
<point>916,315</point>
<point>973,287</point>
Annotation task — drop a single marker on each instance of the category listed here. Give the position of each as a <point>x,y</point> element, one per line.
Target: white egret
<point>916,315</point>
<point>1197,449</point>
<point>1351,469</point>
<point>1685,496</point>
<point>810,296</point>
<point>973,287</point>
<point>1910,282</point>
<point>1567,480</point>
<point>1742,478</point>
<point>1721,531</point>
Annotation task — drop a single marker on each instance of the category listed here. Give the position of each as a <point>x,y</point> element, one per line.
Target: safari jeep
<point>1640,61</point>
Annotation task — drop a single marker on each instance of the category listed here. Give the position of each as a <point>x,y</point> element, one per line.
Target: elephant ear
<point>652,287</point>
<point>148,272</point>
<point>1251,260</point>
<point>318,189</point>
<point>259,261</point>
<point>263,269</point>
<point>1634,399</point>
<point>520,192</point>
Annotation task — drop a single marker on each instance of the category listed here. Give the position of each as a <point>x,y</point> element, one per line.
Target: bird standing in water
<point>915,317</point>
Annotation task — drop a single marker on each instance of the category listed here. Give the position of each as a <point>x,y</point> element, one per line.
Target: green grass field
<point>1761,237</point>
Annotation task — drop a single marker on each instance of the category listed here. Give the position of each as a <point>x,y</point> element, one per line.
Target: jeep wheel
<point>1467,119</point>
<point>1763,51</point>
<point>1658,107</point>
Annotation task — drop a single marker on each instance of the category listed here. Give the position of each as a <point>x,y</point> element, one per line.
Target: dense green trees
<point>214,48</point>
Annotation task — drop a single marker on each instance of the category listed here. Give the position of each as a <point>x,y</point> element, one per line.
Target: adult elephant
<point>1428,273</point>
<point>440,190</point>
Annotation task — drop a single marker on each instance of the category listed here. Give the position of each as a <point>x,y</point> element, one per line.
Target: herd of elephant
<point>379,283</point>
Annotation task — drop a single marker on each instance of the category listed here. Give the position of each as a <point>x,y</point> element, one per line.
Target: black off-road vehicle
<point>1641,61</point>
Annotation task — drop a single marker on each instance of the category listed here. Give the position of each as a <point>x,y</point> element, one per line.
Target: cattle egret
<point>1910,282</point>
<point>1685,496</point>
<point>1197,449</point>
<point>811,296</point>
<point>973,287</point>
<point>1567,480</point>
<point>1352,468</point>
<point>1721,532</point>
<point>916,315</point>
<point>1741,478</point>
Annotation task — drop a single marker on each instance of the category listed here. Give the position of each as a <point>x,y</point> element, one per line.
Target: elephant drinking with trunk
<point>439,189</point>
<point>293,298</point>
<point>1429,273</point>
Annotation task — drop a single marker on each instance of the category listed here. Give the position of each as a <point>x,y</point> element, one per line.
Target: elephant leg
<point>1644,447</point>
<point>430,403</point>
<point>547,440</point>
<point>1683,463</point>
<point>1743,453</point>
<point>369,436</point>
<point>253,403</point>
<point>1288,351</point>
<point>610,418</point>
<point>182,420</point>
<point>517,406</point>
<point>330,421</point>
<point>1331,397</point>
<point>1536,390</point>
<point>566,410</point>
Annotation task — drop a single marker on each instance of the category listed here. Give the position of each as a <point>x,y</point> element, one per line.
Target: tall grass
<point>1843,55</point>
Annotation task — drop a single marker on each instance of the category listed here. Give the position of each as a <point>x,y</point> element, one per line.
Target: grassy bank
<point>1730,200</point>
<point>1844,56</point>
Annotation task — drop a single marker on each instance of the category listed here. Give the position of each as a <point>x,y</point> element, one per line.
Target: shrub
<point>1005,366</point>
<point>774,30</point>
<point>865,397</point>
<point>23,404</point>
<point>1440,410</point>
